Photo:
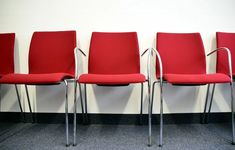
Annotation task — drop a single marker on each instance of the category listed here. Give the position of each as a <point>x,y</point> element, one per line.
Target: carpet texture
<point>27,136</point>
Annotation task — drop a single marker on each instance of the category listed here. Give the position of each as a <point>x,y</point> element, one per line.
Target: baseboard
<point>181,118</point>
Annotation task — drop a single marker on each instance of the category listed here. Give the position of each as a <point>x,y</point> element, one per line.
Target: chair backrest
<point>181,53</point>
<point>114,53</point>
<point>7,42</point>
<point>225,40</point>
<point>52,52</point>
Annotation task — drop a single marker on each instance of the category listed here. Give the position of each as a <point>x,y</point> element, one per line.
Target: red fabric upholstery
<point>7,42</point>
<point>113,59</point>
<point>225,40</point>
<point>196,79</point>
<point>114,53</point>
<point>183,60</point>
<point>51,59</point>
<point>52,52</point>
<point>181,53</point>
<point>34,79</point>
<point>111,79</point>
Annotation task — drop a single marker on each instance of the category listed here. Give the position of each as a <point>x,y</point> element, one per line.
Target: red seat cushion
<point>111,79</point>
<point>52,78</point>
<point>196,79</point>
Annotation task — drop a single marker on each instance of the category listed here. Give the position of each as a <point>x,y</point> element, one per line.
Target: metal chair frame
<point>206,112</point>
<point>151,86</point>
<point>84,108</point>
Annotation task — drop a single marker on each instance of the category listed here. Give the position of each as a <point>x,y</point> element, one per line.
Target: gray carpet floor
<point>27,136</point>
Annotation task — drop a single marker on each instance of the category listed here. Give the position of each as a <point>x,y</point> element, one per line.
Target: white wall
<point>146,17</point>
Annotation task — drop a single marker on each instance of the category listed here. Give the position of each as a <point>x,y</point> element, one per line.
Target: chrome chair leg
<point>86,116</point>
<point>232,110</point>
<point>151,98</point>
<point>161,115</point>
<point>75,114</point>
<point>81,99</point>
<point>205,106</point>
<point>141,105</point>
<point>209,109</point>
<point>149,115</point>
<point>29,104</point>
<point>66,113</point>
<point>18,98</point>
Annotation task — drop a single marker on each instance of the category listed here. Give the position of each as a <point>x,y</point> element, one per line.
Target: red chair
<point>113,61</point>
<point>7,42</point>
<point>51,62</point>
<point>181,62</point>
<point>226,42</point>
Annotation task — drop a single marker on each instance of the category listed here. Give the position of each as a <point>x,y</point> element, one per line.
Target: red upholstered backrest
<point>225,40</point>
<point>114,53</point>
<point>52,52</point>
<point>7,42</point>
<point>181,53</point>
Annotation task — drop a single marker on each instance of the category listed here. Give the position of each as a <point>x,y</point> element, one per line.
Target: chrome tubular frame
<point>161,94</point>
<point>81,99</point>
<point>141,104</point>
<point>75,111</point>
<point>150,108</point>
<point>142,88</point>
<point>231,86</point>
<point>19,101</point>
<point>151,94</point>
<point>161,115</point>
<point>232,109</point>
<point>29,104</point>
<point>149,97</point>
<point>229,59</point>
<point>75,114</point>
<point>205,106</point>
<point>76,49</point>
<point>209,109</point>
<point>66,113</point>
<point>86,115</point>
<point>206,114</point>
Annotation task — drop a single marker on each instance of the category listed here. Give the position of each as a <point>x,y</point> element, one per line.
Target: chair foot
<point>141,121</point>
<point>202,119</point>
<point>149,142</point>
<point>202,122</point>
<point>23,116</point>
<point>233,143</point>
<point>159,145</point>
<point>86,120</point>
<point>74,144</point>
<point>67,145</point>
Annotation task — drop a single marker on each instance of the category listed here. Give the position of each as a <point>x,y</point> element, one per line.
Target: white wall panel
<point>146,17</point>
